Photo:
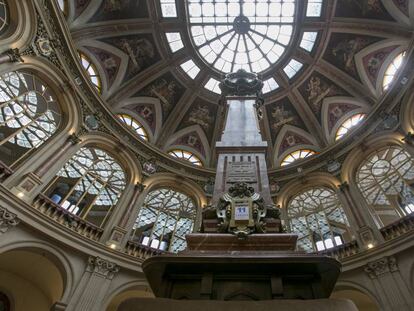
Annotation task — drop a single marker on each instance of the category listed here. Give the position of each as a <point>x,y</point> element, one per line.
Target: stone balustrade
<point>5,171</point>
<point>342,251</point>
<point>399,227</point>
<point>141,251</point>
<point>65,218</point>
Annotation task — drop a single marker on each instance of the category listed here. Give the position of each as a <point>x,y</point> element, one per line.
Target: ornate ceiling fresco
<point>331,68</point>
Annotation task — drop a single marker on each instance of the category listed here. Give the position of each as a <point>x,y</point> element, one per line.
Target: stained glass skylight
<point>269,85</point>
<point>234,34</point>
<point>175,41</point>
<point>348,125</point>
<point>4,16</point>
<point>213,85</point>
<point>308,40</point>
<point>292,68</point>
<point>297,155</point>
<point>314,8</point>
<point>190,68</point>
<point>168,8</point>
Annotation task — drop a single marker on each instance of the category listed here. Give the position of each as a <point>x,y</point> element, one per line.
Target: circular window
<point>380,168</point>
<point>241,34</point>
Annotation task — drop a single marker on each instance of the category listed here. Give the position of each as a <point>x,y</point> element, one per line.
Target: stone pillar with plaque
<point>241,259</point>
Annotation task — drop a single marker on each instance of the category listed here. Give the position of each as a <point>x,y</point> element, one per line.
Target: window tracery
<point>186,155</point>
<point>29,116</point>
<point>164,219</point>
<point>317,216</point>
<point>392,70</point>
<point>91,71</point>
<point>386,180</point>
<point>135,125</point>
<point>297,155</point>
<point>348,124</point>
<point>89,185</point>
<point>249,34</point>
<point>4,16</point>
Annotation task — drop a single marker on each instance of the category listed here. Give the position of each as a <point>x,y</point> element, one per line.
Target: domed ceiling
<point>322,62</point>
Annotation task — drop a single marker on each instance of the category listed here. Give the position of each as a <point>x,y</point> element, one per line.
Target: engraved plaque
<point>242,172</point>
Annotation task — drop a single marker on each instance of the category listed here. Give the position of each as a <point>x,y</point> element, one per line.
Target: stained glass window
<point>386,180</point>
<point>348,125</point>
<point>29,114</point>
<point>135,125</point>
<point>296,155</point>
<point>174,40</point>
<point>316,215</point>
<point>234,34</point>
<point>190,68</point>
<point>91,70</point>
<point>63,5</point>
<point>89,185</point>
<point>392,71</point>
<point>4,16</point>
<point>164,219</point>
<point>187,156</point>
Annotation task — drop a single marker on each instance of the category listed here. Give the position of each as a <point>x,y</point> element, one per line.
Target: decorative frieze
<point>7,220</point>
<point>102,267</point>
<point>380,267</point>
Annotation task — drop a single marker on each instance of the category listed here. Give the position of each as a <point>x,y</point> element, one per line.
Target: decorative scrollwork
<point>7,220</point>
<point>241,83</point>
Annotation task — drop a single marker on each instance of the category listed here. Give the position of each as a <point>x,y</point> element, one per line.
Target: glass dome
<point>247,34</point>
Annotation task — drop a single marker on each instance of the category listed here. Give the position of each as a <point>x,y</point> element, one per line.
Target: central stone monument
<point>242,259</point>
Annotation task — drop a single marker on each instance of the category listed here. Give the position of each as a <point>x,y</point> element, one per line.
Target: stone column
<point>119,235</point>
<point>389,285</point>
<point>72,140</point>
<point>11,56</point>
<point>93,286</point>
<point>368,234</point>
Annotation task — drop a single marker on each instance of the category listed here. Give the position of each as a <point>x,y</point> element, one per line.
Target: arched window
<point>89,185</point>
<point>29,114</point>
<point>4,16</point>
<point>386,180</point>
<point>392,71</point>
<point>135,125</point>
<point>348,125</point>
<point>316,215</point>
<point>164,219</point>
<point>186,155</point>
<point>63,5</point>
<point>297,155</point>
<point>91,70</point>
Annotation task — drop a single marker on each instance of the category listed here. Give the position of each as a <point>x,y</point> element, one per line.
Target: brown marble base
<point>142,304</point>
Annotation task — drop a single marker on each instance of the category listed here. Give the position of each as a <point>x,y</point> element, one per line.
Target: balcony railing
<point>398,228</point>
<point>5,171</point>
<point>141,251</point>
<point>342,251</point>
<point>65,218</point>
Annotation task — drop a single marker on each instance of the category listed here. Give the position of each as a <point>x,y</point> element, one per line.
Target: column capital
<point>384,265</point>
<point>139,187</point>
<point>7,220</point>
<point>409,138</point>
<point>102,267</point>
<point>74,139</point>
